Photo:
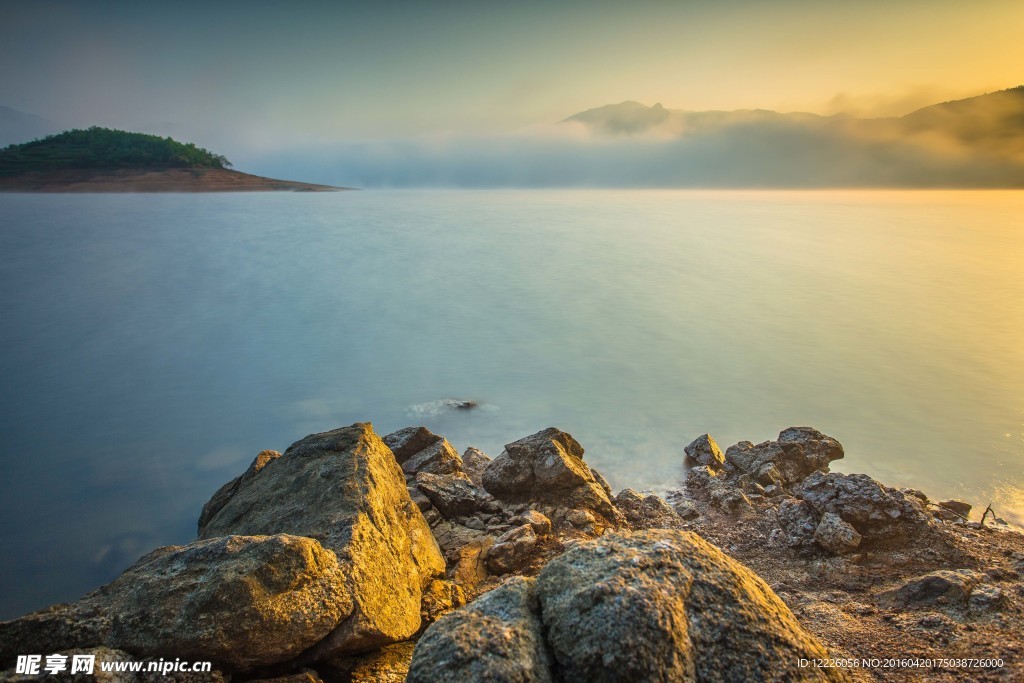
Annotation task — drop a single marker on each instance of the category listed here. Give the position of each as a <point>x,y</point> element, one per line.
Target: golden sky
<point>263,71</point>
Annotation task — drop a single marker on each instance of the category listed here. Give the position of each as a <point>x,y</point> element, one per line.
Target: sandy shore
<point>154,180</point>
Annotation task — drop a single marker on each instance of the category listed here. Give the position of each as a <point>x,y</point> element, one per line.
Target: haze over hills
<point>976,142</point>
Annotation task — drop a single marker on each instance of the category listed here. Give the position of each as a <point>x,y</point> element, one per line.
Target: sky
<point>257,78</point>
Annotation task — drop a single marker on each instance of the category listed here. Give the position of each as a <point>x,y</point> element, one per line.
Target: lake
<point>151,345</point>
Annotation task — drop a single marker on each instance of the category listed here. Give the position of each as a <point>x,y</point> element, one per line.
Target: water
<point>153,344</point>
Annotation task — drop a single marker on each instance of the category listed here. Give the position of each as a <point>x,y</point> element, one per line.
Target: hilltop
<point>105,160</point>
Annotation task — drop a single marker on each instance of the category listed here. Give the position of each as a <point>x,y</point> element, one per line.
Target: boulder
<point>646,512</point>
<point>798,452</point>
<point>204,601</point>
<point>945,587</point>
<point>704,451</point>
<point>876,512</point>
<point>452,494</point>
<point>389,664</point>
<point>547,467</point>
<point>345,489</point>
<point>496,638</point>
<point>409,441</point>
<point>224,493</point>
<point>658,605</point>
<point>835,535</point>
<point>437,458</point>
<point>511,550</point>
<point>818,450</point>
<point>540,524</point>
<point>474,462</point>
<point>798,522</point>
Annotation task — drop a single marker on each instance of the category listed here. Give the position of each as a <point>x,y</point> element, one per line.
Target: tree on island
<point>105,148</point>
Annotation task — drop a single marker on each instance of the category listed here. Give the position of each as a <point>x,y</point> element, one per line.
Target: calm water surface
<point>151,345</point>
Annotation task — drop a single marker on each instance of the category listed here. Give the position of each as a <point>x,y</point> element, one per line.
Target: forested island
<point>106,160</point>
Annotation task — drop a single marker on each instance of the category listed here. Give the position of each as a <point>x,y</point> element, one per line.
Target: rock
<point>437,458</point>
<point>730,500</point>
<point>470,567</point>
<point>946,587</point>
<point>874,511</point>
<point>452,494</point>
<point>704,451</point>
<point>420,499</point>
<point>798,452</point>
<point>835,535</point>
<point>957,507</point>
<point>439,598</point>
<point>646,512</point>
<point>798,522</point>
<point>511,551</point>
<point>345,489</point>
<point>985,598</point>
<point>581,519</point>
<point>818,450</point>
<point>474,462</point>
<point>409,441</point>
<point>685,509</point>
<point>602,482</point>
<point>389,664</point>
<point>107,654</point>
<point>53,629</point>
<point>205,600</point>
<point>547,467</point>
<point>540,524</point>
<point>496,638</point>
<point>307,676</point>
<point>700,479</point>
<point>224,493</point>
<point>475,523</point>
<point>659,605</point>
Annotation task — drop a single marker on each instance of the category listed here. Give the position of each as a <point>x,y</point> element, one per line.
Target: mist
<point>972,143</point>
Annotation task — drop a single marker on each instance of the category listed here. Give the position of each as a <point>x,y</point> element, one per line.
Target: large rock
<point>224,493</point>
<point>798,452</point>
<point>876,512</point>
<point>945,587</point>
<point>452,494</point>
<point>547,467</point>
<point>646,512</point>
<point>437,458</point>
<point>511,550</point>
<point>647,606</point>
<point>496,638</point>
<point>704,451</point>
<point>409,441</point>
<point>345,489</point>
<point>474,462</point>
<point>204,601</point>
<point>835,535</point>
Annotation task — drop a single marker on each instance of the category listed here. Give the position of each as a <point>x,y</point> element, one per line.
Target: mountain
<point>105,160</point>
<point>17,126</point>
<point>975,142</point>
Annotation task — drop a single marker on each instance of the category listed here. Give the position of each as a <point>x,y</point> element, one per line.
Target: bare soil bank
<point>154,180</point>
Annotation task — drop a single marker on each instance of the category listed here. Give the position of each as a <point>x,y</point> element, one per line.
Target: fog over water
<point>153,344</point>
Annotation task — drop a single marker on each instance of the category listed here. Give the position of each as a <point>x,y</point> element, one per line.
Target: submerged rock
<point>644,606</point>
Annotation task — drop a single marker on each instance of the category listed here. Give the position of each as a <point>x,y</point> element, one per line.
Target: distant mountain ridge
<point>973,142</point>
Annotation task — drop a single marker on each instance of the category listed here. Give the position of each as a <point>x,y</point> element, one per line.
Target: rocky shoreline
<point>152,180</point>
<point>355,557</point>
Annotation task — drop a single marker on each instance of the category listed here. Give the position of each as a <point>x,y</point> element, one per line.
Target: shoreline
<point>154,180</point>
<point>762,542</point>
